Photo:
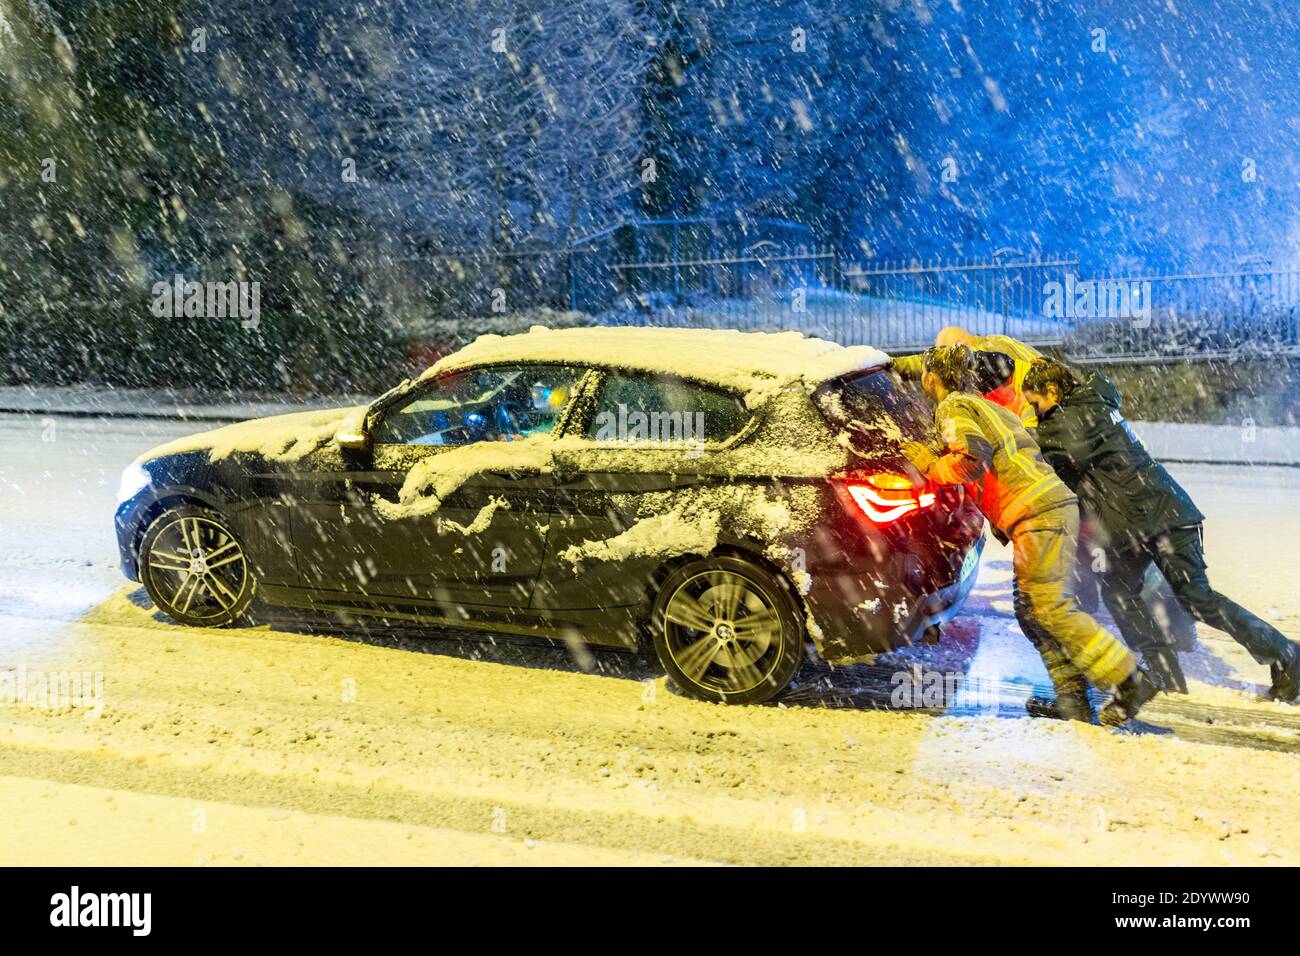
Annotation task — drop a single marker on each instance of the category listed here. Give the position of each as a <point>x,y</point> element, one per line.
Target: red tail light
<point>886,497</point>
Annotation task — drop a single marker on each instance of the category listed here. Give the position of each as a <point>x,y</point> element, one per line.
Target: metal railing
<point>898,306</point>
<point>889,305</point>
<point>1193,316</point>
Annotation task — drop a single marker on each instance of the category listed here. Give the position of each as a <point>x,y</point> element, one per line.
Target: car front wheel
<point>195,569</point>
<point>727,630</point>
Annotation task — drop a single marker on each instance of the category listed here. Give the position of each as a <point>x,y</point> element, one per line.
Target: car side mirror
<point>356,441</point>
<point>352,432</point>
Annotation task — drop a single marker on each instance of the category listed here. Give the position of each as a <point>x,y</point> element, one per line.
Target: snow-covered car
<point>724,496</point>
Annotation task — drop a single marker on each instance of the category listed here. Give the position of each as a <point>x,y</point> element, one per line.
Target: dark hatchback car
<point>725,497</point>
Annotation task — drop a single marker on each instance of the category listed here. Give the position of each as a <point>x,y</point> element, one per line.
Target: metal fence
<point>678,277</point>
<point>892,305</point>
<point>900,306</point>
<point>1188,316</point>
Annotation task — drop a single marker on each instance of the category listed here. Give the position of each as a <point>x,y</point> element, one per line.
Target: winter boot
<point>1286,676</point>
<point>1066,705</point>
<point>1134,691</point>
<point>1164,670</point>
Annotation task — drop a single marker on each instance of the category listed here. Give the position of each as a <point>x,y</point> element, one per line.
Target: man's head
<point>1047,384</point>
<point>946,368</point>
<point>954,335</point>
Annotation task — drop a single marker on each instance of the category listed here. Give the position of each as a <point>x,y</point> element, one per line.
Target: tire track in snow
<point>467,813</point>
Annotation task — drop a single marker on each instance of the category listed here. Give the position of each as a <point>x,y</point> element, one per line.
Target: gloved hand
<point>922,456</point>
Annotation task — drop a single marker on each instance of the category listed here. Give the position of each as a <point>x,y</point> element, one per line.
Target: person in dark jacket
<point>1145,515</point>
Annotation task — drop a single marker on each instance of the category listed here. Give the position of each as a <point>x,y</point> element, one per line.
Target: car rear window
<point>876,409</point>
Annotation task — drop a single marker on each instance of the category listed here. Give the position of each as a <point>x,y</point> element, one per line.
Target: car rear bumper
<point>858,614</point>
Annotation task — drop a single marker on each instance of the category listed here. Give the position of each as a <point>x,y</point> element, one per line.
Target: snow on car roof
<point>746,361</point>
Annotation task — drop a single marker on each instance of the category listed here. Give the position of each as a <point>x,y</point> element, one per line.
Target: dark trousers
<point>1180,556</point>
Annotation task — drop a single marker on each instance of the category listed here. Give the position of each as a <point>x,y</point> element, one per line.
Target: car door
<point>649,440</point>
<point>479,537</point>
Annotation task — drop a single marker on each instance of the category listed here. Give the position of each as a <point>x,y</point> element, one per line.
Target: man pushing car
<point>1000,366</point>
<point>1146,516</point>
<point>987,449</point>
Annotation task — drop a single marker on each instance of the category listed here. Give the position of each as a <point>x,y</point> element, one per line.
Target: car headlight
<point>134,480</point>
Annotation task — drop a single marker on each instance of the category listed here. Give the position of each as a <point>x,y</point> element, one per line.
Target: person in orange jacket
<point>1001,364</point>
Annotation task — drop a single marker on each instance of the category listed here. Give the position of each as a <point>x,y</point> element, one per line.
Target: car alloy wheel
<point>727,630</point>
<point>195,569</point>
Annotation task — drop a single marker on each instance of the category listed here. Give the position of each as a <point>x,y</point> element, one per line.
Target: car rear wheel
<point>727,630</point>
<point>195,569</point>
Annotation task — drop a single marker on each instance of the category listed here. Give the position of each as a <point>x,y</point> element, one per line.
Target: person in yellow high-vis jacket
<point>1001,365</point>
<point>987,449</point>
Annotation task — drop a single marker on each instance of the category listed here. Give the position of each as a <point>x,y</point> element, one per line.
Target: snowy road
<point>294,744</point>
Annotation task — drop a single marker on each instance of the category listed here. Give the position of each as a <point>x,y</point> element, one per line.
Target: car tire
<point>195,568</point>
<point>728,630</point>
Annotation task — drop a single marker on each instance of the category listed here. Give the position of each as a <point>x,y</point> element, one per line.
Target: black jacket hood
<point>1095,389</point>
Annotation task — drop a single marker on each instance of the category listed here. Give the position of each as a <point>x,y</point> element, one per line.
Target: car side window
<point>664,410</point>
<point>493,404</point>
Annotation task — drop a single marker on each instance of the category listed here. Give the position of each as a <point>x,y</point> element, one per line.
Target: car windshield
<point>876,409</point>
